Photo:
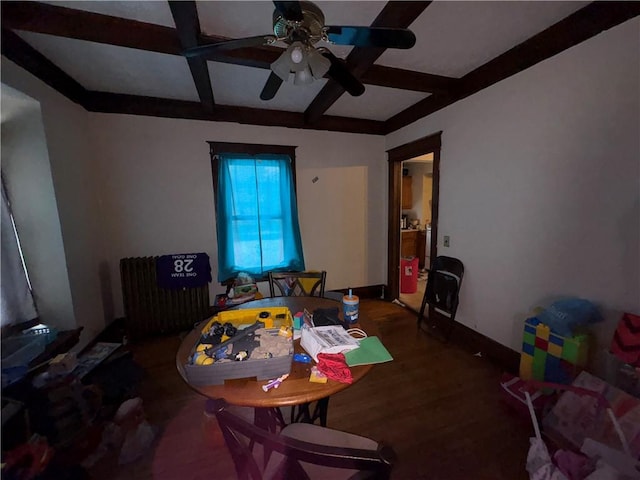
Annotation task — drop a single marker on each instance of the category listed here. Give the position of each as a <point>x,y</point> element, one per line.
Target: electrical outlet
<point>446,240</point>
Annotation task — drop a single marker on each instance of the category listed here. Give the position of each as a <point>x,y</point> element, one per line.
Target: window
<point>16,299</point>
<point>256,209</point>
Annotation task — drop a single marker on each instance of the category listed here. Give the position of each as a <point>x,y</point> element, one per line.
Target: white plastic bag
<point>136,443</point>
<point>138,434</point>
<point>539,464</point>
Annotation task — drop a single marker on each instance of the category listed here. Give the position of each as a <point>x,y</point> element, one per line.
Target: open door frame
<point>424,145</point>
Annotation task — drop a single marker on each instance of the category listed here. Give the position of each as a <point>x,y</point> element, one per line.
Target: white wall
<point>74,174</point>
<point>540,186</point>
<point>157,193</point>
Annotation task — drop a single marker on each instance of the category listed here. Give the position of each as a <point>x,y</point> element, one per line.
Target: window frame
<point>218,148</point>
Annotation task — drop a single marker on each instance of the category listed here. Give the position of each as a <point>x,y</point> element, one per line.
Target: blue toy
<point>301,357</point>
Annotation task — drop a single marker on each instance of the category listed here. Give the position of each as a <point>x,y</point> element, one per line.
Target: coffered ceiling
<point>126,56</point>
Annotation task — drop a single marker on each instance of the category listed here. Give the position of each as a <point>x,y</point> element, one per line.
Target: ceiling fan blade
<point>271,87</point>
<point>341,74</point>
<point>371,36</point>
<point>289,10</point>
<point>229,45</point>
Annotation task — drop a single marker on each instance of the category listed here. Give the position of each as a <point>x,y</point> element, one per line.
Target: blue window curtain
<point>256,215</point>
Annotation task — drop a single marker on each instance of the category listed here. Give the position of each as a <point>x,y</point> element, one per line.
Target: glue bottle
<point>350,304</point>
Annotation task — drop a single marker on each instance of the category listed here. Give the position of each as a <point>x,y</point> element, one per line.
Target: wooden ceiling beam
<point>398,14</point>
<point>408,80</point>
<point>93,27</point>
<point>583,24</point>
<point>185,16</point>
<point>256,57</point>
<point>263,57</point>
<point>104,102</point>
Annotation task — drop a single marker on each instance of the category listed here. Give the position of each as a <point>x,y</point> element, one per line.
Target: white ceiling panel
<point>248,19</point>
<point>151,11</point>
<point>376,103</point>
<point>454,38</point>
<point>238,85</point>
<point>235,19</point>
<point>108,68</point>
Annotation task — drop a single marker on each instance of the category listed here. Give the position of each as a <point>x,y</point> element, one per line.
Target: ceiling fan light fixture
<point>303,77</point>
<point>318,63</point>
<point>282,66</point>
<point>297,53</point>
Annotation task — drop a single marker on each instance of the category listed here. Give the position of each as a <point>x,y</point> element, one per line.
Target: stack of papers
<point>327,339</point>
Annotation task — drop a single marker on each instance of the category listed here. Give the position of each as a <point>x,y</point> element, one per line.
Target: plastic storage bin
<point>409,275</point>
<point>261,368</point>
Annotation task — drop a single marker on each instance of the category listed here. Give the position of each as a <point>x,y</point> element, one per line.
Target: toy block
<point>526,366</point>
<point>541,343</point>
<point>554,350</point>
<point>529,338</point>
<point>539,364</point>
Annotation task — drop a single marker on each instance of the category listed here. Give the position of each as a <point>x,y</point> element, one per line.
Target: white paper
<point>327,339</point>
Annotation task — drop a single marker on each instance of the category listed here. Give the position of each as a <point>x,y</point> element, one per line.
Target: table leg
<point>304,415</point>
<point>269,419</point>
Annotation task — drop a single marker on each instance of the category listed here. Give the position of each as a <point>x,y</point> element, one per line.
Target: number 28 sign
<point>183,266</point>
<point>184,270</point>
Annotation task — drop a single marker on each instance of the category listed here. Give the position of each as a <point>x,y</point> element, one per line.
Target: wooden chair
<point>443,289</point>
<point>300,451</point>
<point>301,284</point>
<point>297,284</point>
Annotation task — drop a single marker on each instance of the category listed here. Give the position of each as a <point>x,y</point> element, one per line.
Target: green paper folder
<point>371,350</point>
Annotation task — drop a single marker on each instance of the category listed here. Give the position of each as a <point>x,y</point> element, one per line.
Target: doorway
<point>415,231</point>
<point>396,156</point>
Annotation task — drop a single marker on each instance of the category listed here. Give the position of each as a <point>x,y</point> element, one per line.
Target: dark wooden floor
<point>436,404</point>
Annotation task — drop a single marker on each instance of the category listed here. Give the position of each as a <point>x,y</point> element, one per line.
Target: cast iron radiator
<point>149,309</point>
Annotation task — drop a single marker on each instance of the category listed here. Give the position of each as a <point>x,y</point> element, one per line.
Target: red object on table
<point>334,366</point>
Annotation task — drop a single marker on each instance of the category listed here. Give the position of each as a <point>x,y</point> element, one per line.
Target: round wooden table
<point>296,389</point>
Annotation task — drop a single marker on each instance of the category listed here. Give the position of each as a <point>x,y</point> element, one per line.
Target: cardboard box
<point>260,368</point>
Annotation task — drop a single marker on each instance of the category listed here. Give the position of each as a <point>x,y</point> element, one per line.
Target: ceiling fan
<point>300,25</point>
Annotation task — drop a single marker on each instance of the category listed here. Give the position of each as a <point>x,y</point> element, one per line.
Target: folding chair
<point>443,289</point>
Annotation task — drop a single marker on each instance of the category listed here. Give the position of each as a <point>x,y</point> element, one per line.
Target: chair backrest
<point>443,284</point>
<point>297,284</point>
<point>259,454</point>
